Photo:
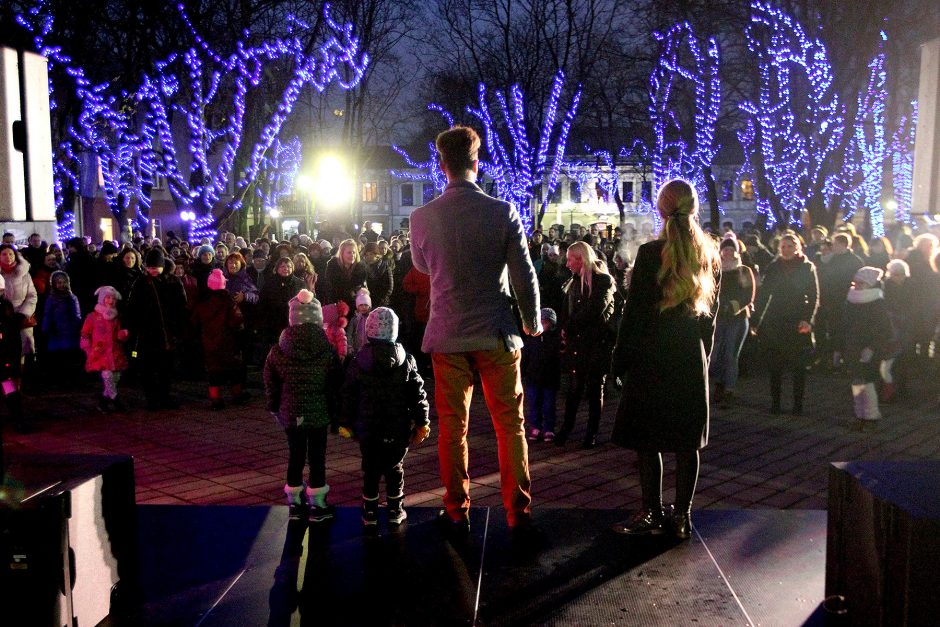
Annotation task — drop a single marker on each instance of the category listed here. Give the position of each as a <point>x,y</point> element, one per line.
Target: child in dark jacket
<point>541,376</point>
<point>217,320</point>
<point>298,375</point>
<point>61,326</point>
<point>385,404</point>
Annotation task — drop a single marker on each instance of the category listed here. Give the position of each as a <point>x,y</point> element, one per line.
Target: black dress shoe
<point>646,522</point>
<point>453,528</point>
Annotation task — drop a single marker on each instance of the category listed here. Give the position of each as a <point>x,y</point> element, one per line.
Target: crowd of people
<point>793,302</point>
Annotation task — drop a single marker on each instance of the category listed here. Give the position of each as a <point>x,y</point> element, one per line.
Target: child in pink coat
<point>102,340</point>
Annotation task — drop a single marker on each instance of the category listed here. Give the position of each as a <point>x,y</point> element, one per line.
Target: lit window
<point>727,190</point>
<point>369,192</point>
<point>646,191</point>
<point>747,189</point>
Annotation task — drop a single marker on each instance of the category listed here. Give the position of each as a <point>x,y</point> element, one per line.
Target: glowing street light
<point>891,205</point>
<point>331,183</point>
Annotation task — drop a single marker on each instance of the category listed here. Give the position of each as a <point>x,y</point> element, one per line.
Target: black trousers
<point>156,373</point>
<point>306,445</point>
<point>580,383</point>
<point>381,458</point>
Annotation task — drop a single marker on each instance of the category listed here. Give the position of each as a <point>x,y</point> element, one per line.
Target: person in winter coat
<point>662,352</point>
<point>81,268</point>
<point>61,326</point>
<point>835,277</point>
<point>785,313</point>
<point>278,290</point>
<point>239,285</point>
<point>102,339</point>
<point>588,339</point>
<point>127,269</point>
<point>380,277</point>
<point>541,377</point>
<point>156,315</point>
<point>21,293</point>
<point>204,263</point>
<point>385,404</point>
<point>864,340</point>
<point>345,274</point>
<point>731,328</point>
<point>334,325</point>
<point>416,295</point>
<point>299,373</point>
<point>356,329</point>
<point>217,320</point>
<point>899,300</point>
<point>11,351</point>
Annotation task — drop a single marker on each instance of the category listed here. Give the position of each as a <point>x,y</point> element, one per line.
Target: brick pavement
<point>238,456</point>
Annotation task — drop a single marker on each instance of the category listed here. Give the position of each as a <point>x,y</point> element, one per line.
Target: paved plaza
<point>238,456</point>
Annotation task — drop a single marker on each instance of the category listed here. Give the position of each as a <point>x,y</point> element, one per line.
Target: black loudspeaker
<point>68,541</point>
<point>883,542</point>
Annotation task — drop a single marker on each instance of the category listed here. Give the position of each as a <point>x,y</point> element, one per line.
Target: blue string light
<point>902,166</point>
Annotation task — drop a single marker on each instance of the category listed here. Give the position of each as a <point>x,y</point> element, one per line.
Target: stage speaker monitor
<point>26,189</point>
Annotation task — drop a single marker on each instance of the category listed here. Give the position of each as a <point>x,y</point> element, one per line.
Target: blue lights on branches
<point>902,165</point>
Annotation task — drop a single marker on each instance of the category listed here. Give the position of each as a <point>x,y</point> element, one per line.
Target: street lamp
<point>329,185</point>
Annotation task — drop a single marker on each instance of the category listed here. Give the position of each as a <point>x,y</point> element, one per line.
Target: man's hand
<point>420,434</point>
<point>533,332</point>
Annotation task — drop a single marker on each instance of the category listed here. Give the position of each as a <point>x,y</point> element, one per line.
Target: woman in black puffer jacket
<point>588,338</point>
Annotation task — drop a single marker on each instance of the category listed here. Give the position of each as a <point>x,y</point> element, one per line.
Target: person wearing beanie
<point>61,326</point>
<point>202,266</point>
<point>300,374</point>
<point>260,269</point>
<point>541,377</point>
<point>384,404</point>
<point>735,301</point>
<point>356,329</point>
<point>156,316</point>
<point>277,289</point>
<point>217,321</point>
<point>380,278</point>
<point>864,340</point>
<point>102,339</point>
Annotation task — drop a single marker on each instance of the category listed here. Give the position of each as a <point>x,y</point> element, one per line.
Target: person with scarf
<point>61,326</point>
<point>736,296</point>
<point>785,313</point>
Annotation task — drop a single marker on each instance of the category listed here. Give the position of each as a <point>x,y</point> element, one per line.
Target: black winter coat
<point>788,295</point>
<point>865,325</point>
<point>156,314</point>
<point>380,282</point>
<point>342,284</point>
<point>273,302</point>
<point>299,374</point>
<point>588,338</point>
<point>662,357</point>
<point>383,396</point>
<point>11,346</point>
<point>541,360</point>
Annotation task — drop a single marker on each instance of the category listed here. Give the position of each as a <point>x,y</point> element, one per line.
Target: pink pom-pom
<point>305,296</point>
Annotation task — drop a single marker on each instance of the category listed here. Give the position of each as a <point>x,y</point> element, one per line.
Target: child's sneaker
<point>370,511</point>
<point>396,511</point>
<point>549,436</point>
<point>535,435</point>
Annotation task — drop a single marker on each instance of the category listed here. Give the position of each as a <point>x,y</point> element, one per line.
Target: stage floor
<point>223,566</point>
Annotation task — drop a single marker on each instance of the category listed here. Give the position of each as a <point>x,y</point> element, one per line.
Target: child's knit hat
<point>216,280</point>
<point>363,298</point>
<point>382,324</point>
<point>547,313</point>
<point>898,267</point>
<point>332,313</point>
<point>304,309</point>
<point>205,249</point>
<point>64,275</point>
<point>105,290</point>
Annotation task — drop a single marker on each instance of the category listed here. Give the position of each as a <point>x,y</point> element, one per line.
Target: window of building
<point>747,189</point>
<point>370,192</point>
<point>427,193</point>
<point>646,190</point>
<point>407,195</point>
<point>574,191</point>
<point>727,190</point>
<point>555,196</point>
<point>627,193</point>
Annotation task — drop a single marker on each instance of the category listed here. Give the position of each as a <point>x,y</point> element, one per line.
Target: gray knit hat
<point>382,324</point>
<point>549,314</point>
<point>305,309</point>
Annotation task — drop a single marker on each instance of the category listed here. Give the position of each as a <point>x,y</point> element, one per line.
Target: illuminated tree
<point>902,165</point>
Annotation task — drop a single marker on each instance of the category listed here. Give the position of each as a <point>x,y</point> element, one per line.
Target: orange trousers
<point>502,389</point>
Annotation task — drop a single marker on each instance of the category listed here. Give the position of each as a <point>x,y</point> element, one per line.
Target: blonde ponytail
<point>690,257</point>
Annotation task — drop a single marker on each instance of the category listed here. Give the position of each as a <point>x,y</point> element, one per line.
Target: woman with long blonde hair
<point>662,354</point>
<point>344,275</point>
<point>588,339</point>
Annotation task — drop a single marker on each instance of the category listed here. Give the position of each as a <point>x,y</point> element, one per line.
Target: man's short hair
<point>458,148</point>
<point>843,238</point>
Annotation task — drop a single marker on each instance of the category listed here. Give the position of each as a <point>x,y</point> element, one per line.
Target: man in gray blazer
<point>473,246</point>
